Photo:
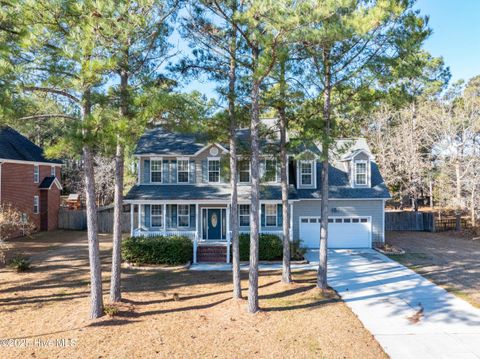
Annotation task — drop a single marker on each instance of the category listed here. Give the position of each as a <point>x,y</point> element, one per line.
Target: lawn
<point>447,259</point>
<point>172,314</point>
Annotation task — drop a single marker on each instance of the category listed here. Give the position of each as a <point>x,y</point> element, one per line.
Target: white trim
<point>56,182</point>
<point>131,219</point>
<point>36,173</point>
<point>36,203</point>
<point>6,160</point>
<point>356,153</point>
<point>383,220</point>
<point>156,159</point>
<point>183,159</point>
<point>209,145</point>
<point>201,202</point>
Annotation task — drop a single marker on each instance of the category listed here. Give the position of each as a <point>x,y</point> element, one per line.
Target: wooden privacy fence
<point>409,221</point>
<point>77,220</point>
<point>421,221</point>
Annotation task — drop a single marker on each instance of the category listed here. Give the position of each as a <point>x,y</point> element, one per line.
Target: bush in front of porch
<point>270,247</point>
<point>174,250</point>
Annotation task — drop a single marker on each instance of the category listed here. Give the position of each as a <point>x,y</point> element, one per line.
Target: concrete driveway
<point>408,315</point>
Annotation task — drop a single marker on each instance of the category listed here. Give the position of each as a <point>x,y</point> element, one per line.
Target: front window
<point>156,171</point>
<point>271,215</point>
<point>182,171</point>
<point>244,215</point>
<point>52,171</point>
<point>183,215</point>
<point>270,171</point>
<point>306,173</point>
<point>244,171</point>
<point>214,171</point>
<point>157,215</point>
<point>36,174</point>
<point>36,205</point>
<point>361,173</point>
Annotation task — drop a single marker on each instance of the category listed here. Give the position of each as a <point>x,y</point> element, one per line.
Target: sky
<point>456,38</point>
<point>456,34</point>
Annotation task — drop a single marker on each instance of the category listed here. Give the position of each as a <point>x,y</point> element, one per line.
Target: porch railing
<point>169,233</point>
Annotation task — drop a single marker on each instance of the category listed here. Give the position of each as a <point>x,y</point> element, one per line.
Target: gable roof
<point>160,141</point>
<point>48,182</point>
<point>14,146</point>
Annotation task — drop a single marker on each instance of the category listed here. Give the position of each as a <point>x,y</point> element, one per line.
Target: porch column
<point>259,217</point>
<point>195,241</point>
<point>164,217</point>
<point>291,222</point>
<point>228,233</point>
<point>139,224</point>
<point>132,217</point>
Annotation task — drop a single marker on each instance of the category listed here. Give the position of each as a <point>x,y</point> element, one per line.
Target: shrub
<point>111,310</point>
<point>270,247</point>
<point>157,250</point>
<point>297,252</point>
<point>20,263</point>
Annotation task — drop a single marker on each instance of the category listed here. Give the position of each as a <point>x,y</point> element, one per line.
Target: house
<point>28,180</point>
<point>183,188</point>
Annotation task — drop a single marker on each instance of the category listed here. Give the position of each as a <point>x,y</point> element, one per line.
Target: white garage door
<point>343,232</point>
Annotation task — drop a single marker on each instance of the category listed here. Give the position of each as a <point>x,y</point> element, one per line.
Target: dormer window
<point>244,171</point>
<point>36,174</point>
<point>306,173</point>
<point>156,171</point>
<point>361,173</point>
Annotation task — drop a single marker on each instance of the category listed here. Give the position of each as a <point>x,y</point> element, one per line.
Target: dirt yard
<point>445,258</point>
<point>166,314</point>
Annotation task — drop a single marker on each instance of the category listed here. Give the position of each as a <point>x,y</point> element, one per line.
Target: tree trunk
<point>286,270</point>
<point>430,190</point>
<point>237,285</point>
<point>115,282</point>
<point>96,292</point>
<point>472,210</point>
<point>255,192</point>
<point>458,191</point>
<point>322,266</point>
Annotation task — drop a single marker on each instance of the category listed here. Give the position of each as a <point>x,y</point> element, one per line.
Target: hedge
<point>157,250</point>
<point>270,247</point>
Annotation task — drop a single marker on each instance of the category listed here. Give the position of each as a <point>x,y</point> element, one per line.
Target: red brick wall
<point>19,189</point>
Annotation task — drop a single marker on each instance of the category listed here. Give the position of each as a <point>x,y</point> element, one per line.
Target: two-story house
<point>28,180</point>
<point>183,188</point>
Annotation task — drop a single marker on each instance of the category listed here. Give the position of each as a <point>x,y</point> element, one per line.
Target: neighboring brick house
<point>28,180</point>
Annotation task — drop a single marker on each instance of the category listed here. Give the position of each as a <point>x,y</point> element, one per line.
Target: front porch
<point>206,224</point>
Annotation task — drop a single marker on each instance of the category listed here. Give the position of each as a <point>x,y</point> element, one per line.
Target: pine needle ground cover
<point>166,314</point>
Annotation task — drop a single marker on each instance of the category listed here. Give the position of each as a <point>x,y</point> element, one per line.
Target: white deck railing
<point>168,233</point>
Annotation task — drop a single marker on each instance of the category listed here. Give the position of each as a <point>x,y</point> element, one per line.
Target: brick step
<point>209,251</point>
<point>212,249</point>
<point>210,259</point>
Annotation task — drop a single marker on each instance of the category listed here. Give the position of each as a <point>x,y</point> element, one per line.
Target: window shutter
<point>168,218</point>
<point>279,215</point>
<point>225,169</point>
<point>173,172</point>
<point>205,171</point>
<point>192,173</point>
<point>174,215</point>
<point>147,215</point>
<point>263,216</point>
<point>192,215</point>
<point>146,171</point>
<point>165,172</point>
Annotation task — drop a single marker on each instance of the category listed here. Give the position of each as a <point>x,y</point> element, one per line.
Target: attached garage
<point>343,232</point>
